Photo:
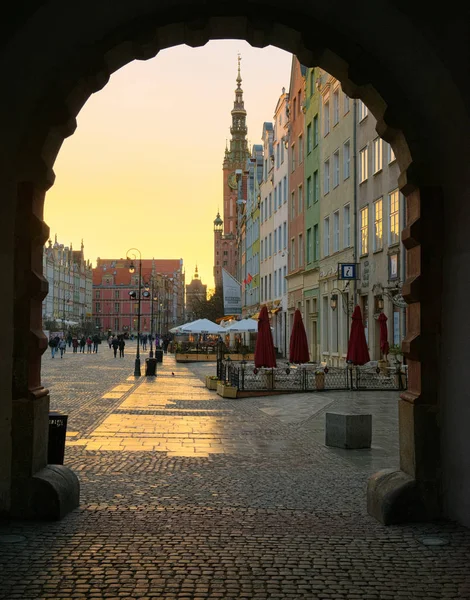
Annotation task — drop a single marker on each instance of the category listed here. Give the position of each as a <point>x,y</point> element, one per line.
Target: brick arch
<point>79,64</point>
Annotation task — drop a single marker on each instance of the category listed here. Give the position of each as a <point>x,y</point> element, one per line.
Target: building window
<point>378,224</point>
<point>269,289</point>
<point>316,243</point>
<point>363,158</point>
<point>315,131</point>
<point>336,169</point>
<point>316,186</point>
<point>116,324</point>
<point>390,154</point>
<point>98,307</point>
<point>363,111</point>
<point>277,156</point>
<point>301,250</point>
<point>98,294</point>
<point>275,241</point>
<point>301,149</point>
<point>285,189</point>
<point>326,236</point>
<point>262,250</point>
<point>346,160</point>
<point>309,245</point>
<point>284,288</point>
<point>365,230</point>
<point>335,107</point>
<point>326,113</point>
<point>116,295</point>
<point>294,109</point>
<point>270,204</point>
<point>270,245</point>
<point>292,156</point>
<point>347,226</point>
<point>275,199</point>
<point>309,138</point>
<point>324,329</point>
<point>309,192</point>
<point>377,155</point>
<point>275,284</point>
<point>292,254</point>
<point>285,234</point>
<point>345,103</point>
<point>336,231</point>
<point>301,199</point>
<point>394,221</point>
<point>292,205</point>
<point>326,177</point>
<point>116,307</point>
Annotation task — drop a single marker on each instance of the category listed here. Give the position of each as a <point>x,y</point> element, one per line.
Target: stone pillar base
<point>48,495</point>
<point>394,497</point>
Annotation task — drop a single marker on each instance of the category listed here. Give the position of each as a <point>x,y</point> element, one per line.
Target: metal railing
<point>287,378</point>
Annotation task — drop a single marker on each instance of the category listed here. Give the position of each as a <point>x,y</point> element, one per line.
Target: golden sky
<point>144,167</point>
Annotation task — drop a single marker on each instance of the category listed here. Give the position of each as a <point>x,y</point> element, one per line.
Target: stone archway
<point>54,57</point>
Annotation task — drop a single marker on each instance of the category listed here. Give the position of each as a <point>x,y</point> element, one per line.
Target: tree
<point>211,309</point>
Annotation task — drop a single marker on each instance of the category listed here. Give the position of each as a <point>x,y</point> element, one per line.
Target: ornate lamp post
<point>150,292</point>
<point>133,295</point>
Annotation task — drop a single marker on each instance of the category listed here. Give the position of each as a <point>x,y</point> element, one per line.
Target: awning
<point>275,310</point>
<point>255,316</point>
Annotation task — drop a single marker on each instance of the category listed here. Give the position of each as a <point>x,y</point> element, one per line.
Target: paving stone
<point>188,495</point>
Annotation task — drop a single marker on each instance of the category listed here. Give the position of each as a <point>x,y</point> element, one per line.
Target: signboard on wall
<point>232,294</point>
<point>347,271</point>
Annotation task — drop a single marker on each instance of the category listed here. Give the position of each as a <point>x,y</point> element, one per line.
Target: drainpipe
<point>355,195</point>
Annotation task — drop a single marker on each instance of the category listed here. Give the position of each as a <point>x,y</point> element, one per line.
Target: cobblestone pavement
<point>188,495</point>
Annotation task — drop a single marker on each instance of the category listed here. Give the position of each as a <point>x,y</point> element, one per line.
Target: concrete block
<point>349,431</point>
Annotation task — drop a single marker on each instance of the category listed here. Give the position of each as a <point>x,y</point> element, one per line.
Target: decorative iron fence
<point>246,377</point>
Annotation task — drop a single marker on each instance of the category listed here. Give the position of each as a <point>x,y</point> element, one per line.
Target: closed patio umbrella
<point>384,345</point>
<point>265,355</point>
<point>298,348</point>
<point>358,352</point>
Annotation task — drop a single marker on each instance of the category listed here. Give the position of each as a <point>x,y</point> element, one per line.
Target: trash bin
<point>150,366</point>
<point>159,355</point>
<point>56,441</point>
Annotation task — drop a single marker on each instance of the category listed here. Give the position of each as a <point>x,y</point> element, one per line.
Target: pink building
<point>116,312</point>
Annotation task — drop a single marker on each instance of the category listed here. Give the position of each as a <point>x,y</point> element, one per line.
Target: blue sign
<point>347,271</point>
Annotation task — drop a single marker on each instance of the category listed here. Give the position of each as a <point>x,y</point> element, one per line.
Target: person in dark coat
<point>82,344</point>
<point>122,343</point>
<point>74,345</point>
<point>115,345</point>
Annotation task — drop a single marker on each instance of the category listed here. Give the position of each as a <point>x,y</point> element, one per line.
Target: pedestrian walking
<point>96,341</point>
<point>62,347</point>
<point>69,340</point>
<point>82,344</point>
<point>115,345</point>
<point>122,343</point>
<point>110,341</point>
<point>89,343</point>
<point>74,345</point>
<point>53,343</point>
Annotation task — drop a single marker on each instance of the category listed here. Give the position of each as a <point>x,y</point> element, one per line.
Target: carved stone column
<point>38,491</point>
<point>413,493</point>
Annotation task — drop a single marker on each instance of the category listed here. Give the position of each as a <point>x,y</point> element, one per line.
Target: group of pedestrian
<point>91,343</point>
<point>117,342</point>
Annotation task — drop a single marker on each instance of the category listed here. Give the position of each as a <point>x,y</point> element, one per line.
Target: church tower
<point>234,163</point>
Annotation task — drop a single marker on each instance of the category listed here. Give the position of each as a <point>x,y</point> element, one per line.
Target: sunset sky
<point>144,167</point>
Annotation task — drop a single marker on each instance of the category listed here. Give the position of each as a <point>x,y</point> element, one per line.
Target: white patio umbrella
<point>248,325</point>
<point>202,326</point>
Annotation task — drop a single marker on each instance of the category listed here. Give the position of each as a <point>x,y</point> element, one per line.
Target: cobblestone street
<point>188,495</point>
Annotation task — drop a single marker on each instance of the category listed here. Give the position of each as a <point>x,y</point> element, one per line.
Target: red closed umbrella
<point>298,348</point>
<point>384,346</point>
<point>358,352</point>
<point>265,355</point>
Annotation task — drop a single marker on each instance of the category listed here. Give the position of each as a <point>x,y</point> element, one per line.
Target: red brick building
<point>234,167</point>
<point>116,312</point>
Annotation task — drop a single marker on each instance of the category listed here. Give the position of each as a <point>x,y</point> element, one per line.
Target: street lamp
<point>150,293</point>
<point>68,302</point>
<point>133,295</point>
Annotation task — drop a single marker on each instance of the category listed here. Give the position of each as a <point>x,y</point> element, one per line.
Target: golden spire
<point>239,77</point>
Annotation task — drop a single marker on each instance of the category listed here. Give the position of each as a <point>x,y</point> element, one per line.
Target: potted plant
<point>226,390</point>
<point>211,382</point>
<point>320,379</point>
